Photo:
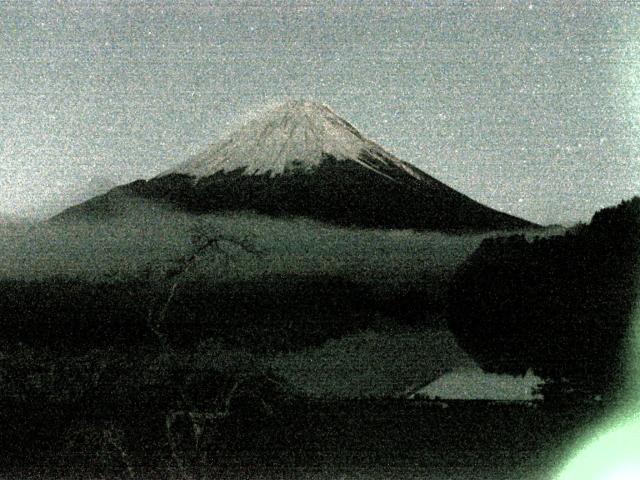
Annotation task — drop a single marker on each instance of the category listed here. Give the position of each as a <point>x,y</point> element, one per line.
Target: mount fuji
<point>302,159</point>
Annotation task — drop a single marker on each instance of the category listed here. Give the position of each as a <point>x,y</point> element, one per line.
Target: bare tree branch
<point>203,242</point>
<point>112,439</point>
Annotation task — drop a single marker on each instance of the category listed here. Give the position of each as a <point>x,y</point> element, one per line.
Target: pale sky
<point>531,108</point>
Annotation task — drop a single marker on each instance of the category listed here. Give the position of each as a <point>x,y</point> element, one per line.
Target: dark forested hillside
<point>560,305</point>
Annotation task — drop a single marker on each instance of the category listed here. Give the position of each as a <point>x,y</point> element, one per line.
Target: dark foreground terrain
<point>352,439</point>
<point>400,438</point>
<point>162,375</point>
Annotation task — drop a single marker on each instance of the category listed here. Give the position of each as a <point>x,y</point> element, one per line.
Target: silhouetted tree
<point>560,305</point>
<point>199,386</point>
<point>113,402</point>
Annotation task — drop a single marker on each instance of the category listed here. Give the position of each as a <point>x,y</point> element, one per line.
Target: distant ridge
<point>300,158</point>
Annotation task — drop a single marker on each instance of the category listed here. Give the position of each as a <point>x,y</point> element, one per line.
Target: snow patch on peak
<point>295,135</point>
<point>310,108</point>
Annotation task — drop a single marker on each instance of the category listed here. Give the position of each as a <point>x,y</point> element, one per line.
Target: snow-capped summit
<point>301,158</point>
<point>294,136</point>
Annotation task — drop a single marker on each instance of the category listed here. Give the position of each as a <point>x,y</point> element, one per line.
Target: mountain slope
<point>302,159</point>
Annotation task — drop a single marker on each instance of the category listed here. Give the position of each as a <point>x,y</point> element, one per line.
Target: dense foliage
<point>560,305</point>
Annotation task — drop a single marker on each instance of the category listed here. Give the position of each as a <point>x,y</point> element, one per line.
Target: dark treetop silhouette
<point>560,305</point>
